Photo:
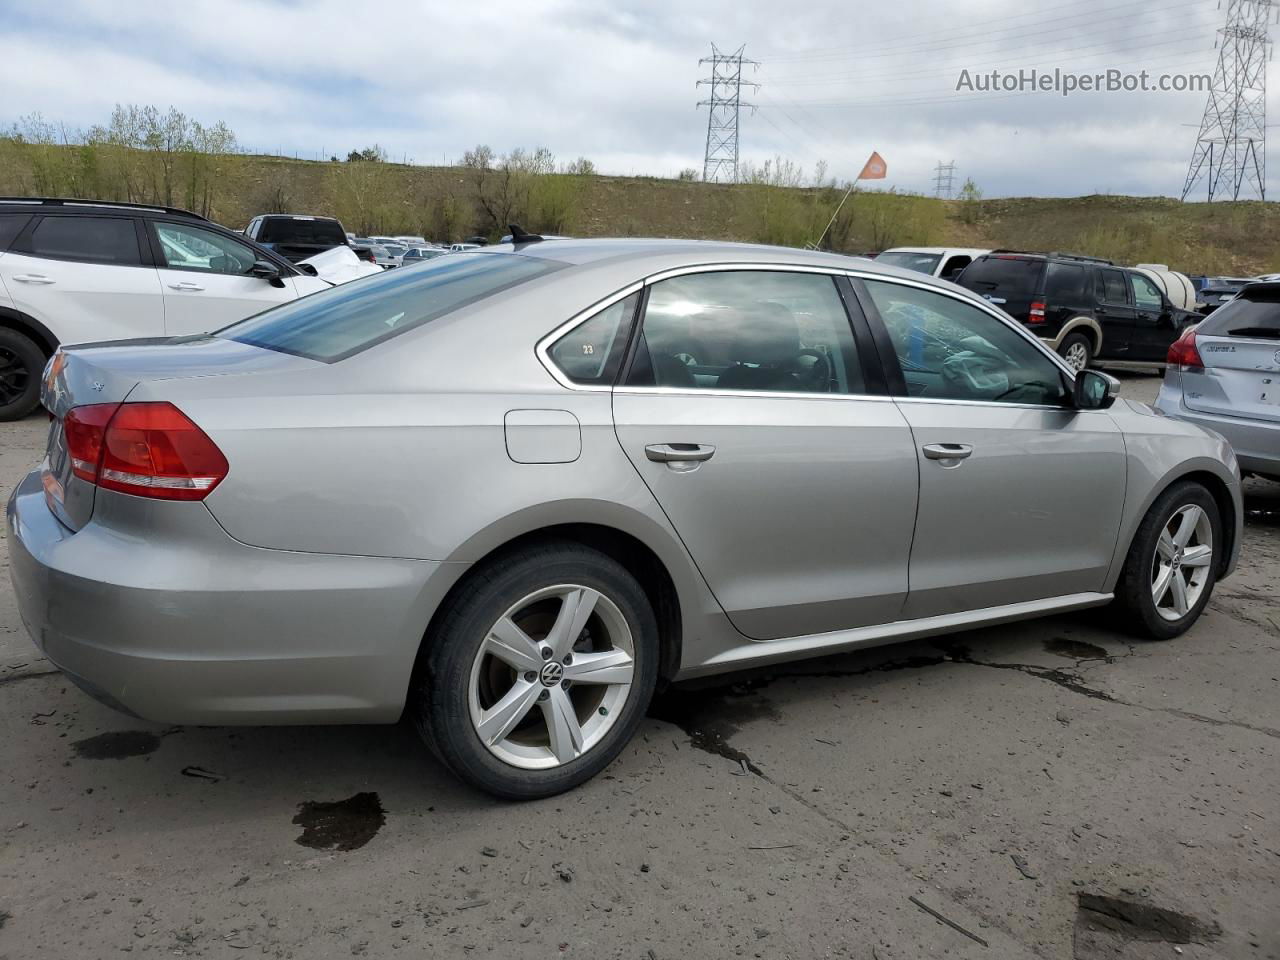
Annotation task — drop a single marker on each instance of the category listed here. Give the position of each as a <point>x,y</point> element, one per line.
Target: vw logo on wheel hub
<point>552,673</point>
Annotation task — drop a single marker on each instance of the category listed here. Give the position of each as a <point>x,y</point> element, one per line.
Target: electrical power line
<point>720,160</point>
<point>942,179</point>
<point>1231,149</point>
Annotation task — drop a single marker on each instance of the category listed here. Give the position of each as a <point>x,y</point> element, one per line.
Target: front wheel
<point>1172,564</point>
<point>1077,350</point>
<point>539,672</point>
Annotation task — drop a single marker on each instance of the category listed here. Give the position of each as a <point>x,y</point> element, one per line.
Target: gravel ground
<point>1047,789</point>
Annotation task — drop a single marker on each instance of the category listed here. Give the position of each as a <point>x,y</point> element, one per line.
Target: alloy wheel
<point>1182,562</point>
<point>1077,357</point>
<point>551,677</point>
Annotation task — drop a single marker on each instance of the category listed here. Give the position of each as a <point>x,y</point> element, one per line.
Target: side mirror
<point>1093,390</point>
<point>266,270</point>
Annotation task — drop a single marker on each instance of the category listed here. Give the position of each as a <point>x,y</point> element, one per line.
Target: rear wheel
<point>1172,565</point>
<point>1077,350</point>
<point>540,672</point>
<point>21,362</point>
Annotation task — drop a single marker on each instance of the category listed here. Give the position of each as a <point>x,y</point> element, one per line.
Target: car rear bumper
<point>200,628</point>
<point>1256,442</point>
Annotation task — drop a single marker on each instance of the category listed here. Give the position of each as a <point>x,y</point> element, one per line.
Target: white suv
<point>74,271</point>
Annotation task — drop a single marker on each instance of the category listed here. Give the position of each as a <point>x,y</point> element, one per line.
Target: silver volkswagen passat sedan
<point>512,491</point>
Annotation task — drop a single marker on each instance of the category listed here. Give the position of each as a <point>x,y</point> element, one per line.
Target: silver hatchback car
<point>512,491</point>
<point>1224,374</point>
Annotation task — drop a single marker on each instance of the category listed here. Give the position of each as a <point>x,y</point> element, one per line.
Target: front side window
<point>88,239</point>
<point>951,350</point>
<point>347,319</point>
<point>592,351</point>
<point>750,330</point>
<point>1145,294</point>
<point>192,248</point>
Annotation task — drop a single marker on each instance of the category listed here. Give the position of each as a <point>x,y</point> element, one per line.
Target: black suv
<point>297,236</point>
<point>1086,308</point>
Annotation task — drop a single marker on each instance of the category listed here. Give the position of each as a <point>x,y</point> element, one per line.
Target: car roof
<point>74,205</point>
<point>976,251</point>
<point>632,258</point>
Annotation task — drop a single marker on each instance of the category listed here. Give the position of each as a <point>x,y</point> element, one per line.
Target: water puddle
<point>1105,926</point>
<point>1075,649</point>
<point>117,745</point>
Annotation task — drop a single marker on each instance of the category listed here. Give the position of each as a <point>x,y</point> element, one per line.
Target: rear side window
<point>1005,277</point>
<point>592,351</point>
<point>1064,285</point>
<point>337,323</point>
<point>88,239</point>
<point>1254,315</point>
<point>11,225</point>
<point>292,230</point>
<point>1112,286</point>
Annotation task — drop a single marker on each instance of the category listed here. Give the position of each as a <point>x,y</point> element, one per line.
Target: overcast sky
<point>614,80</point>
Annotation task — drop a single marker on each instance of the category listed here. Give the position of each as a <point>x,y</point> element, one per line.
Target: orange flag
<point>875,168</point>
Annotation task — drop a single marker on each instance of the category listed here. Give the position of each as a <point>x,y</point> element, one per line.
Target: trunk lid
<point>107,373</point>
<point>1239,347</point>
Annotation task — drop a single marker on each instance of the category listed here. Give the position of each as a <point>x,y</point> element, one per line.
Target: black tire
<point>21,363</point>
<point>1078,341</point>
<point>1133,592</point>
<point>441,701</point>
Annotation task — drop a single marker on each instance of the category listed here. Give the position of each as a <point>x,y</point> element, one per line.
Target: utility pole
<point>942,179</point>
<point>720,161</point>
<point>1231,148</point>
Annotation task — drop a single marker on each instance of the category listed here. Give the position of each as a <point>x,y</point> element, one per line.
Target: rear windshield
<point>347,319</point>
<point>1255,314</point>
<point>919,262</point>
<point>290,230</point>
<point>1009,277</point>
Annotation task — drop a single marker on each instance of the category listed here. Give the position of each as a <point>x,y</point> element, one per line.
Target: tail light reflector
<point>144,449</point>
<point>1036,313</point>
<point>1183,352</point>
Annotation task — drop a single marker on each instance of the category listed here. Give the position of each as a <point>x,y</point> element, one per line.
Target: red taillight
<point>145,449</point>
<point>1036,313</point>
<point>1184,352</point>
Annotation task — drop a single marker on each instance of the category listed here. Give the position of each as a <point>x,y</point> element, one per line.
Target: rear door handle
<point>679,452</point>
<point>947,451</point>
<point>34,278</point>
<point>185,285</point>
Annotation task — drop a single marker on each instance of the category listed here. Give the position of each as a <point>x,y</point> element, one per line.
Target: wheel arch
<point>1209,474</point>
<point>648,551</point>
<point>33,328</point>
<point>1081,325</point>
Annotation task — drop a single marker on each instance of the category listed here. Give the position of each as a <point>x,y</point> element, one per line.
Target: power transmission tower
<point>1231,149</point>
<point>720,162</point>
<point>943,175</point>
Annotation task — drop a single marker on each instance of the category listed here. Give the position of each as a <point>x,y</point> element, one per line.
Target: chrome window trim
<point>752,394</point>
<point>543,345</point>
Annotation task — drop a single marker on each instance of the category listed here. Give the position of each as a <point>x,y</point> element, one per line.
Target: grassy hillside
<point>448,203</point>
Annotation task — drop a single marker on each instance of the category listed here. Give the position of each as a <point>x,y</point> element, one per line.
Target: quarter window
<point>592,351</point>
<point>750,330</point>
<point>950,350</point>
<point>192,248</point>
<point>90,239</point>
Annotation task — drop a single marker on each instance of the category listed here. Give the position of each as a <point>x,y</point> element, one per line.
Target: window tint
<point>950,350</point>
<point>1004,276</point>
<point>91,239</point>
<point>1064,285</point>
<point>747,330</point>
<point>1253,315</point>
<point>347,319</point>
<point>1112,289</point>
<point>1145,293</point>
<point>295,230</point>
<point>191,248</point>
<point>11,225</point>
<point>592,351</point>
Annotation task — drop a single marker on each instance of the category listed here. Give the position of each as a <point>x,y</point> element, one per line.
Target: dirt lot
<point>1049,788</point>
